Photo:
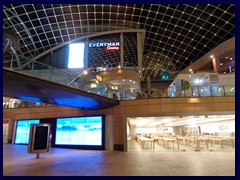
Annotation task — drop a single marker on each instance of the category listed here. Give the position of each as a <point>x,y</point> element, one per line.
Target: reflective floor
<point>160,161</point>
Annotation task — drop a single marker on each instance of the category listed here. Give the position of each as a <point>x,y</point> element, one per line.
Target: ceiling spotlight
<point>211,56</point>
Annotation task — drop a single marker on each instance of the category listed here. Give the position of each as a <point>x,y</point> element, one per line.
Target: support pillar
<point>121,51</point>
<point>216,65</point>
<point>139,52</point>
<point>86,54</point>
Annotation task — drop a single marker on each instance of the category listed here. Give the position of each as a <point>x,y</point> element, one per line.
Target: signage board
<point>109,45</point>
<point>39,138</point>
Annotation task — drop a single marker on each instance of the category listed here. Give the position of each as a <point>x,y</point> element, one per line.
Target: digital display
<point>79,131</point>
<point>76,55</point>
<point>23,129</point>
<point>41,137</point>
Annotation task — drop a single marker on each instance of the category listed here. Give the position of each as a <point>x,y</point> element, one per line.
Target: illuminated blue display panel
<point>23,129</point>
<point>80,132</point>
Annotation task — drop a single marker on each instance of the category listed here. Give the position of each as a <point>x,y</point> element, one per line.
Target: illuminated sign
<point>164,75</point>
<point>23,129</point>
<point>99,78</point>
<point>80,131</point>
<point>113,48</point>
<point>76,55</point>
<point>108,44</point>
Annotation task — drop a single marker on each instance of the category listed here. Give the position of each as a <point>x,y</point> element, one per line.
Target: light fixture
<point>211,56</point>
<point>119,66</point>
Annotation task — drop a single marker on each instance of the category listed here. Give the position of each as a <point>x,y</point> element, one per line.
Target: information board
<point>39,138</point>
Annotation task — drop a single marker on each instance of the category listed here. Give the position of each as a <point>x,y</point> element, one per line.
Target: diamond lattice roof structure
<point>176,34</point>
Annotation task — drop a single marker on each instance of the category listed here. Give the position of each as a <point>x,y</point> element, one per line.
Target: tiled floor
<point>136,162</point>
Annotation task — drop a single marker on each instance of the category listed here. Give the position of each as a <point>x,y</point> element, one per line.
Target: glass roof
<point>176,34</point>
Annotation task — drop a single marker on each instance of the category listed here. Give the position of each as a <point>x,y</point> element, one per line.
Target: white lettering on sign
<point>104,44</point>
<point>112,48</point>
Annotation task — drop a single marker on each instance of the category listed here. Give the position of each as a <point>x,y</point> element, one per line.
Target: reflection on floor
<point>136,162</point>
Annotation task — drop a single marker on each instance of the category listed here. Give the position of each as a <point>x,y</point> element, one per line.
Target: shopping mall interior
<point>119,90</point>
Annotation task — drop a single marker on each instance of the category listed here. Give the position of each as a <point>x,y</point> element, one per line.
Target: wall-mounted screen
<point>83,131</point>
<point>23,129</point>
<point>76,55</point>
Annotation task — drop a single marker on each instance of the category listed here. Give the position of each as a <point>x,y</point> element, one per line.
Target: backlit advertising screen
<point>23,129</point>
<point>83,131</point>
<point>76,55</point>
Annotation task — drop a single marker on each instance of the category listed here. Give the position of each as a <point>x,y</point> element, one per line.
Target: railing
<point>201,91</point>
<point>173,91</point>
<point>50,73</point>
<point>44,71</point>
<point>112,66</point>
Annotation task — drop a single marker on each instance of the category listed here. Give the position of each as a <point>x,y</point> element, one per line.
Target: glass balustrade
<point>41,70</point>
<point>201,91</point>
<point>44,71</point>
